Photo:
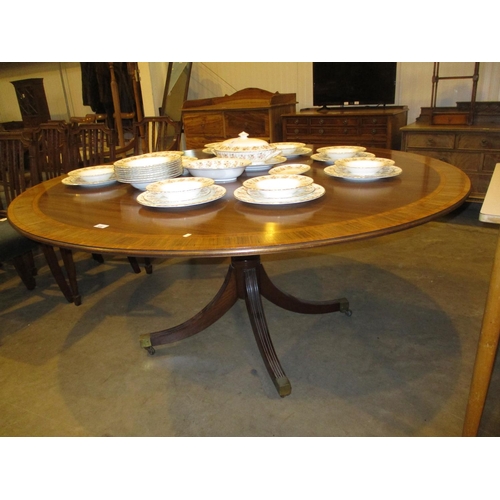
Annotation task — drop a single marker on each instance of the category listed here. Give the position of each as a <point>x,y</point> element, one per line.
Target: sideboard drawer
<point>478,141</point>
<point>376,121</point>
<point>340,121</point>
<point>333,131</point>
<point>445,141</point>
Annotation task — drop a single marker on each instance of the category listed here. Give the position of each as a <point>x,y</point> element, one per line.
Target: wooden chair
<point>157,133</point>
<point>52,149</point>
<point>16,175</point>
<point>95,144</point>
<point>91,144</point>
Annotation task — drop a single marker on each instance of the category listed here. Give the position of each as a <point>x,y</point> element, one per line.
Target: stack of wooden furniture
<point>444,134</point>
<point>254,111</point>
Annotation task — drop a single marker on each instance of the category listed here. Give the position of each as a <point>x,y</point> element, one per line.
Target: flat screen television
<point>354,83</point>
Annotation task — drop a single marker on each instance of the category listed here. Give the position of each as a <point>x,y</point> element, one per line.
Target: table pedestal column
<point>246,279</point>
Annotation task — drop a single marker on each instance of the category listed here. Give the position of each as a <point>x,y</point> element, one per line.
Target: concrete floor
<point>399,366</point>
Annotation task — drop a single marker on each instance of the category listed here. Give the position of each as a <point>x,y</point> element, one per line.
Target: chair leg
<point>23,264</point>
<point>135,265</point>
<point>148,265</point>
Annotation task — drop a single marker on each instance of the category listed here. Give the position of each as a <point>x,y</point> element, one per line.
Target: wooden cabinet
<point>254,111</point>
<point>475,149</point>
<point>370,127</point>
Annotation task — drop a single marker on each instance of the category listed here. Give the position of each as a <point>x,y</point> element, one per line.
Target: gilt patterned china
<point>342,173</point>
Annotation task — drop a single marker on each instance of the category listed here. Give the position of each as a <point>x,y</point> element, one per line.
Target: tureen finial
<point>243,135</point>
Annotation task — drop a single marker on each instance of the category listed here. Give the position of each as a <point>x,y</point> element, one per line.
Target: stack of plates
<point>144,169</point>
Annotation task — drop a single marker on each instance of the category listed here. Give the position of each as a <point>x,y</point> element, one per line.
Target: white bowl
<point>287,148</point>
<point>339,152</point>
<point>219,169</point>
<point>98,173</point>
<point>278,185</point>
<point>364,166</point>
<point>180,188</point>
<point>244,148</point>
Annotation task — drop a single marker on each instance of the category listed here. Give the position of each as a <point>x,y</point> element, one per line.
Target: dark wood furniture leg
<point>246,279</point>
<point>70,291</point>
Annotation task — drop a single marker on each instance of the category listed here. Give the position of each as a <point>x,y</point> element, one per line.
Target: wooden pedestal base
<point>246,279</point>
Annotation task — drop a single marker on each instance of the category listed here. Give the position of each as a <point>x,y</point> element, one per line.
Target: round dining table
<point>110,220</point>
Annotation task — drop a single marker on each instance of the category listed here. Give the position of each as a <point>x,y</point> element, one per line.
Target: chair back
<point>18,166</point>
<point>52,148</point>
<point>91,144</point>
<point>156,133</point>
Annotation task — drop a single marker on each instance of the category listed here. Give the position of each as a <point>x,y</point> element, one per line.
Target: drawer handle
<point>430,142</point>
<point>346,131</point>
<point>296,121</point>
<point>321,131</point>
<point>296,131</point>
<point>374,131</point>
<point>345,122</point>
<point>321,121</point>
<point>484,143</point>
<point>374,120</point>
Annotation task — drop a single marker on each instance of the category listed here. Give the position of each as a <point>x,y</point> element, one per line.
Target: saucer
<point>242,194</point>
<point>264,165</point>
<point>299,152</point>
<point>342,173</point>
<point>68,181</point>
<point>290,169</point>
<point>213,193</point>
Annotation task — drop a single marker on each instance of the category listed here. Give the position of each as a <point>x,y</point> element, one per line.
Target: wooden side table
<point>490,330</point>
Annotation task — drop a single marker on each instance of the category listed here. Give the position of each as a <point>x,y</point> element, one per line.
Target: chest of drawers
<point>254,111</point>
<point>370,127</point>
<point>475,149</point>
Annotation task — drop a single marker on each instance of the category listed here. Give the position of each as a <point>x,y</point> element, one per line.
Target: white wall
<point>62,82</point>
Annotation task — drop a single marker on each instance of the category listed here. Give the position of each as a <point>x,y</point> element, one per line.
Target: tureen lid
<point>243,143</point>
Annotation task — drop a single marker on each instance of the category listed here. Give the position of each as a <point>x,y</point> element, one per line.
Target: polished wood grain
<point>110,220</point>
<point>55,214</point>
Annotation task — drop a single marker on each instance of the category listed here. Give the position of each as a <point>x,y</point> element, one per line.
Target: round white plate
<point>384,173</point>
<point>265,165</point>
<point>290,169</point>
<point>299,152</point>
<point>68,181</point>
<point>148,199</point>
<point>241,194</point>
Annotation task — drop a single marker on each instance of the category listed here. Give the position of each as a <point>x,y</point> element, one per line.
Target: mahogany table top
<point>110,220</point>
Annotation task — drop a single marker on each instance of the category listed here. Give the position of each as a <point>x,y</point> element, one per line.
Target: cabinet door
<point>254,123</point>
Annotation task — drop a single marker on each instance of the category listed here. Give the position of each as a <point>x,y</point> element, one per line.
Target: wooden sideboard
<point>370,127</point>
<point>475,148</point>
<point>254,111</point>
